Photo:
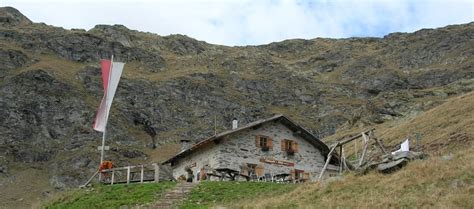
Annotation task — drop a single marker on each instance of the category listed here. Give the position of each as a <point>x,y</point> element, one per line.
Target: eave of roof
<point>305,134</point>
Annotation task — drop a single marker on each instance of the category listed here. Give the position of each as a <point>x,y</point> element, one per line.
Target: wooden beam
<point>128,175</point>
<point>89,181</point>
<point>141,175</point>
<point>344,157</point>
<point>326,164</point>
<point>364,151</point>
<point>340,159</point>
<point>112,178</point>
<point>345,141</point>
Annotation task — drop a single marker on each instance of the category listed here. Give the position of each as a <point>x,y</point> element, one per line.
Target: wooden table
<point>227,172</point>
<point>282,177</point>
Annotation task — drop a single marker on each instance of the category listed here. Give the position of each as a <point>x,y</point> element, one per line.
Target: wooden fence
<point>127,175</point>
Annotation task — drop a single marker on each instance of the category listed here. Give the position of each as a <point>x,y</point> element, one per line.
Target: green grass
<point>208,194</point>
<point>110,196</point>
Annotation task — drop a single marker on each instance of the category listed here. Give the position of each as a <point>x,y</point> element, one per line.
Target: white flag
<point>111,72</point>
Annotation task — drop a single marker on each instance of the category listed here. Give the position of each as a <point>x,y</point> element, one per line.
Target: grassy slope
<point>110,196</point>
<point>445,180</point>
<point>208,194</point>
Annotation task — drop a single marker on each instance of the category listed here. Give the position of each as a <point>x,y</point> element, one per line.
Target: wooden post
<point>364,151</point>
<point>157,172</point>
<point>88,181</point>
<point>112,178</point>
<point>128,174</point>
<point>141,175</point>
<point>344,161</point>
<point>327,162</point>
<point>340,159</point>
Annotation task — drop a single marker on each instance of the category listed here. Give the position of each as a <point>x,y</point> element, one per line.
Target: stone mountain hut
<point>272,149</point>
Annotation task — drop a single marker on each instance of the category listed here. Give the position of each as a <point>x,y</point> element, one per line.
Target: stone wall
<point>206,155</point>
<point>238,149</point>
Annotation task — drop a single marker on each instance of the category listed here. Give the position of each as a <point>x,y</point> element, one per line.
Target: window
<point>263,142</point>
<point>289,146</point>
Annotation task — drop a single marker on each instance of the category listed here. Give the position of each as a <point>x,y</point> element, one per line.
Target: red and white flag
<point>111,72</point>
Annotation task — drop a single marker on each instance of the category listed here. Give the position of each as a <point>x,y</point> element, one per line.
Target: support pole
<point>141,175</point>
<point>327,162</point>
<point>88,181</point>
<point>112,178</point>
<point>128,175</point>
<point>344,161</point>
<point>364,151</point>
<point>340,159</point>
<point>102,150</point>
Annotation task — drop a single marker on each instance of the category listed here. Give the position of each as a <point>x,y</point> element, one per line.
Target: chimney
<point>235,123</point>
<point>185,144</point>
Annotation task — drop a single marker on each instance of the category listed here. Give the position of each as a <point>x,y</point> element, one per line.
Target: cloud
<point>252,21</point>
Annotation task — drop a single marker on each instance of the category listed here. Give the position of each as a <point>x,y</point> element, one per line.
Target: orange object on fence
<point>104,166</point>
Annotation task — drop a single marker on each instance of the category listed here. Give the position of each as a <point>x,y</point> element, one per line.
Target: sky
<point>252,22</point>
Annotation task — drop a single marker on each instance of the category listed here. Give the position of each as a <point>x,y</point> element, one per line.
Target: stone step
<point>172,198</point>
<point>165,202</point>
<point>176,195</point>
<point>184,187</point>
<point>177,192</point>
<point>176,188</point>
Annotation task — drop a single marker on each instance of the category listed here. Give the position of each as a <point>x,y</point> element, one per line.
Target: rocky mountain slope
<point>174,87</point>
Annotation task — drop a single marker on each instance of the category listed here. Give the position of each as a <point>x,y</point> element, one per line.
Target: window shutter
<point>270,143</point>
<point>257,141</point>
<point>283,145</point>
<point>202,174</point>
<point>295,146</point>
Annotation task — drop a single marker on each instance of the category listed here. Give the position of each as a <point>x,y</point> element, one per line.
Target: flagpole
<point>102,152</point>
